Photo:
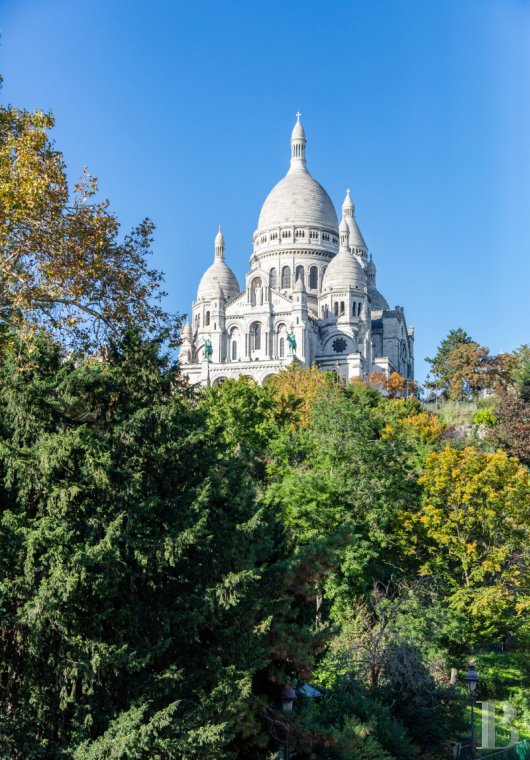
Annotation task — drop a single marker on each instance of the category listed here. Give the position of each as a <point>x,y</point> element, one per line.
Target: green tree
<point>439,379</point>
<point>472,534</point>
<point>338,485</point>
<point>244,416</point>
<point>520,372</point>
<point>137,591</point>
<point>440,372</point>
<point>461,368</point>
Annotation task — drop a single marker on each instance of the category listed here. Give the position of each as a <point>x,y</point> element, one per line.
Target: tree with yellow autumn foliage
<point>63,262</point>
<point>297,389</point>
<point>472,533</point>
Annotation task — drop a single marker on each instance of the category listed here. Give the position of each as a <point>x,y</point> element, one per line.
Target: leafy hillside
<point>173,560</point>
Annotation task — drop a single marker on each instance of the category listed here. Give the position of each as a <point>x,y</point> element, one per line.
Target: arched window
<point>359,309</point>
<point>336,308</point>
<point>313,278</point>
<point>273,279</point>
<point>197,320</point>
<point>286,277</point>
<point>207,318</point>
<point>280,337</point>
<point>341,308</point>
<point>233,341</point>
<point>255,336</point>
<point>299,273</point>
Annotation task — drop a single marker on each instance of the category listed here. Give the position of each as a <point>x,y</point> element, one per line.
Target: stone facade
<point>311,293</point>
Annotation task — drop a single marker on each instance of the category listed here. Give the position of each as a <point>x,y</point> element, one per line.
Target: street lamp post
<point>288,697</point>
<point>471,678</point>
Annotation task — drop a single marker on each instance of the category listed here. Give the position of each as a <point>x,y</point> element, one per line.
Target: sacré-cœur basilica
<point>310,296</point>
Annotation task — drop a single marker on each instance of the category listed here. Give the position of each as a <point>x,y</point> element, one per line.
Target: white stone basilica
<point>310,295</point>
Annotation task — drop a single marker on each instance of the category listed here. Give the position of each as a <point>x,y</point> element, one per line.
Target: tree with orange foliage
<point>472,532</point>
<point>394,385</point>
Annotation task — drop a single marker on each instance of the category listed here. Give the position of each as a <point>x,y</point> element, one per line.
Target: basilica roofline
<point>310,291</point>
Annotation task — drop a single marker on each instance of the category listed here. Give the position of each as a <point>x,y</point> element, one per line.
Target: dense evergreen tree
<point>134,616</point>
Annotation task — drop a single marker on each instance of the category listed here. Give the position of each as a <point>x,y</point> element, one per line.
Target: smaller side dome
<point>344,270</point>
<point>218,277</point>
<point>187,331</point>
<point>218,281</point>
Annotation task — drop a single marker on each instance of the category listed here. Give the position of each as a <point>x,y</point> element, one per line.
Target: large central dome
<point>298,199</point>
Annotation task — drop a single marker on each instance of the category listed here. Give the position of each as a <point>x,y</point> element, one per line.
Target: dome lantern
<point>219,245</point>
<point>344,270</point>
<point>371,271</point>
<point>298,144</point>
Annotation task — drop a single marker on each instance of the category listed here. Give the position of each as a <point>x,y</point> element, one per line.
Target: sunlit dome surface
<point>298,199</point>
<point>218,275</point>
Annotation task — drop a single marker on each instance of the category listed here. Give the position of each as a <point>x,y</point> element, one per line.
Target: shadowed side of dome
<point>377,301</point>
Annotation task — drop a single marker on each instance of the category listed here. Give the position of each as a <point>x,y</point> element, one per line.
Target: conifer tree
<point>133,550</point>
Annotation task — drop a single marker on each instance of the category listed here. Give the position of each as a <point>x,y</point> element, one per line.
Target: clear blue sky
<point>422,107</point>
